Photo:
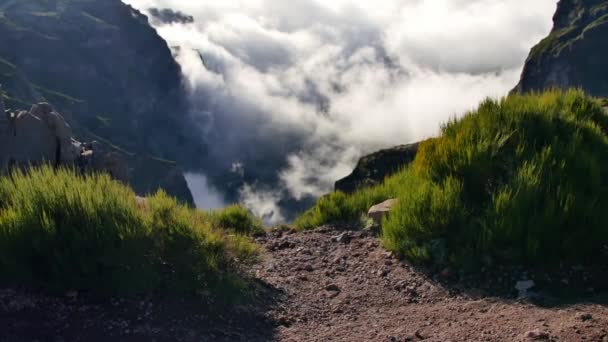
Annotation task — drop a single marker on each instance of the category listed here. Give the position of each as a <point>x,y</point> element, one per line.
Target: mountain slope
<point>574,54</point>
<point>100,64</point>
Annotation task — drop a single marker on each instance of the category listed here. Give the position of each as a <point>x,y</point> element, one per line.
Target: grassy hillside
<point>61,232</point>
<point>520,180</point>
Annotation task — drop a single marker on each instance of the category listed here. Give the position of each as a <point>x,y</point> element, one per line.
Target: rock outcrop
<point>372,169</point>
<point>103,67</point>
<point>574,54</point>
<point>42,136</point>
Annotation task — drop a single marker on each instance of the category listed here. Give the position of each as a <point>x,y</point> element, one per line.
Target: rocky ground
<point>324,285</point>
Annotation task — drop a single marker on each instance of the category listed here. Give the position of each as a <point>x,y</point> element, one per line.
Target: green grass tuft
<point>519,180</point>
<point>238,219</point>
<point>61,231</point>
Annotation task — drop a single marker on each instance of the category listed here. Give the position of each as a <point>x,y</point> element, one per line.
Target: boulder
<point>38,136</point>
<point>41,135</point>
<point>32,141</point>
<point>374,168</point>
<point>68,150</point>
<point>378,211</point>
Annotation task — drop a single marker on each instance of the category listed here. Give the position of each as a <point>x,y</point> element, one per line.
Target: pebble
<point>332,287</point>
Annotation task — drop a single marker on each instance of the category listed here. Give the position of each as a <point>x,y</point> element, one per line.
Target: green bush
<point>519,180</point>
<point>62,231</point>
<point>238,219</point>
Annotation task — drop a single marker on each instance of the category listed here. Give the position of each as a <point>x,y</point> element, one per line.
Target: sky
<point>289,94</point>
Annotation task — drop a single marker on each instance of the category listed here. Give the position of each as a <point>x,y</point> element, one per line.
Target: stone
<point>401,285</point>
<point>38,136</point>
<point>142,202</point>
<point>342,238</point>
<point>378,211</point>
<point>332,288</point>
<point>537,335</point>
<point>584,316</point>
<point>33,142</point>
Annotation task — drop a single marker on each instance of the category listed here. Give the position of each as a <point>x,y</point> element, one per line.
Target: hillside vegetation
<point>523,179</point>
<point>62,232</point>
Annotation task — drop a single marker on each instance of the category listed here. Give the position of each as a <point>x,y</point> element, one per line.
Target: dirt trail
<point>324,285</point>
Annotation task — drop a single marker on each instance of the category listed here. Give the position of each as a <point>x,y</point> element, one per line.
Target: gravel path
<point>324,285</point>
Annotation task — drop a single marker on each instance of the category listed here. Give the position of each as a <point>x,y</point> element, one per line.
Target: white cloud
<point>295,91</point>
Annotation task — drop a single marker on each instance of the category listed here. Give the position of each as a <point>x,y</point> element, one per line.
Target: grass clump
<point>61,231</point>
<point>238,219</point>
<point>519,180</point>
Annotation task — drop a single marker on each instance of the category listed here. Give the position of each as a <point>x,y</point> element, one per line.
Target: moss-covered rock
<point>574,54</point>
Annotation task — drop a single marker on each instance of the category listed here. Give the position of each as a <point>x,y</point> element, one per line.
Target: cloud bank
<point>289,94</point>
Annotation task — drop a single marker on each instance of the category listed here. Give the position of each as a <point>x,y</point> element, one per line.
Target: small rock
<point>306,267</point>
<point>400,285</point>
<point>332,287</point>
<point>332,294</point>
<point>537,335</point>
<point>378,211</point>
<point>285,244</point>
<point>284,321</point>
<point>338,260</point>
<point>411,291</point>
<point>584,316</point>
<point>342,238</point>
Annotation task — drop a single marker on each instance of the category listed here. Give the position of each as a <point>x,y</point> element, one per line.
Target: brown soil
<point>322,285</point>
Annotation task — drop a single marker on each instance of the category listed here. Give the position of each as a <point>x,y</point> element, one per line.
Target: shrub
<point>238,219</point>
<point>62,231</point>
<point>523,179</point>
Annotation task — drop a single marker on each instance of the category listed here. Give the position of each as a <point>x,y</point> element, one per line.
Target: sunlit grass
<point>62,231</point>
<point>522,179</point>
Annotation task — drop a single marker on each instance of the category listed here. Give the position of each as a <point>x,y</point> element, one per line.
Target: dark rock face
<point>372,169</point>
<point>574,54</point>
<point>102,65</point>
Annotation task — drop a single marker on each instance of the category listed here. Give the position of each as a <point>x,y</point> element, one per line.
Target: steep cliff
<point>101,65</point>
<point>574,54</point>
<point>109,73</point>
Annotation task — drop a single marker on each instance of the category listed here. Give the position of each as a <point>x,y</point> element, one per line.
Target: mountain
<point>574,53</point>
<point>106,70</point>
<point>373,168</point>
